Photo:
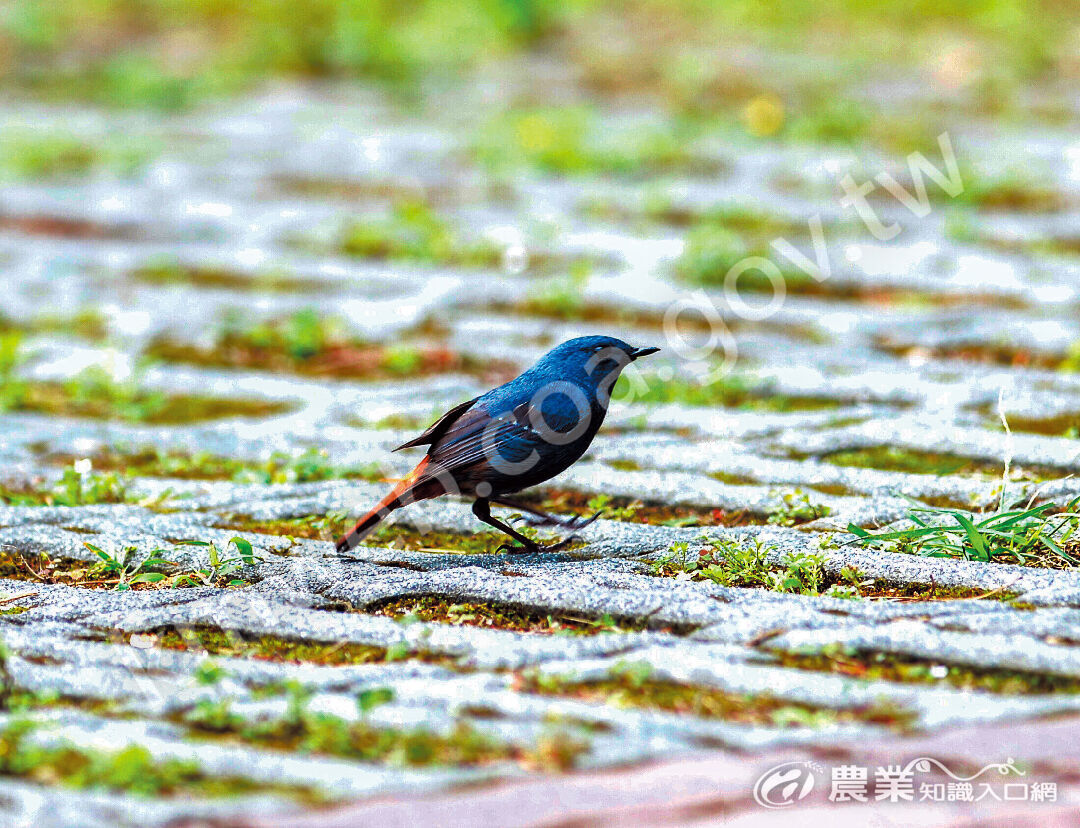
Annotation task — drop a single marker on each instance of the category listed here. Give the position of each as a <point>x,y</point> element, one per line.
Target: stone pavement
<point>226,198</point>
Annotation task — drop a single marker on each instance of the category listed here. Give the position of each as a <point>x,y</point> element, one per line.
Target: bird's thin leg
<point>543,518</point>
<point>482,509</point>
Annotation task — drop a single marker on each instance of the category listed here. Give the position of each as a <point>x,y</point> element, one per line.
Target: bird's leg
<point>482,509</point>
<point>543,518</point>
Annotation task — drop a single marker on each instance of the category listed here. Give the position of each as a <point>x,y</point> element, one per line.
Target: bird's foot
<point>533,548</point>
<point>579,522</point>
<point>572,522</point>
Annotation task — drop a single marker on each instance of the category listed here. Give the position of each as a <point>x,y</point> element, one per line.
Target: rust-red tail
<point>402,493</point>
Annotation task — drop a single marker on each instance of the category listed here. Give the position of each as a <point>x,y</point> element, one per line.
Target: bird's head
<point>596,359</point>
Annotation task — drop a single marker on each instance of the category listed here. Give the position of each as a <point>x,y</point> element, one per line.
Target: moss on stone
<point>878,666</point>
<point>301,730</point>
<point>69,399</point>
<point>632,686</point>
<point>563,501</point>
<point>218,642</point>
<point>503,617</point>
<point>1062,425</point>
<point>131,770</point>
<point>734,391</point>
<point>312,465</point>
<point>912,461</point>
<point>219,278</point>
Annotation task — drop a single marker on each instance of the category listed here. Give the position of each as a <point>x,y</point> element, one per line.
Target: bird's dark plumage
<point>514,436</point>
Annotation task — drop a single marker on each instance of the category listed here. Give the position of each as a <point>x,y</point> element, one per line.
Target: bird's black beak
<point>637,353</point>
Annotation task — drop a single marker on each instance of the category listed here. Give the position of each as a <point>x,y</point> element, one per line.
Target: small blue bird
<point>514,436</point>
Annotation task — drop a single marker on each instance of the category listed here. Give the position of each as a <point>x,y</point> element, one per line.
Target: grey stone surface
<point>217,201</point>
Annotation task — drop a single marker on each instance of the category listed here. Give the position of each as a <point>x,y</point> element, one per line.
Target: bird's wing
<point>439,427</point>
<point>481,438</point>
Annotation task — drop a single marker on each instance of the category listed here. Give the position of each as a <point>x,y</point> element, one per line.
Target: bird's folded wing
<point>483,439</point>
<point>440,426</point>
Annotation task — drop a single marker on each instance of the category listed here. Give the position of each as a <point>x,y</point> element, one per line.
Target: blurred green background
<point>692,56</point>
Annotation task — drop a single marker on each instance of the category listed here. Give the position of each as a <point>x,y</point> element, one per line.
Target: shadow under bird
<point>514,436</point>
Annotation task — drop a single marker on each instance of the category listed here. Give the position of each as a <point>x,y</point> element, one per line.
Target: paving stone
<point>822,366</point>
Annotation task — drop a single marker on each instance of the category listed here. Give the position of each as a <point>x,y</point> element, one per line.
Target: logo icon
<point>785,784</point>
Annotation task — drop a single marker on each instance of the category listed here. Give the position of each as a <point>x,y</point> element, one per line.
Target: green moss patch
<point>413,231</point>
<point>875,666</point>
<point>41,154</point>
<point>172,273</point>
<point>86,324</point>
<point>733,564</point>
<point>218,642</point>
<point>728,391</point>
<point>132,771</point>
<point>301,730</point>
<point>501,616</point>
<point>94,395</point>
<point>333,525</point>
<point>570,141</point>
<point>308,344</point>
<point>311,465</point>
<point>912,461</point>
<point>986,353</point>
<point>1063,425</point>
<point>562,501</point>
<point>633,687</point>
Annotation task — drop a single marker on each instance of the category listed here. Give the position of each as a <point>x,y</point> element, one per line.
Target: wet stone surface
<point>502,641</point>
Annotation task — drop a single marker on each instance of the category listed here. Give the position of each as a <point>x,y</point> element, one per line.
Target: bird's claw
<point>536,549</point>
<point>579,522</point>
<point>515,549</point>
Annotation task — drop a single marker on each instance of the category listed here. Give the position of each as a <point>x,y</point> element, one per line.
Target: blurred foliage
<point>413,231</point>
<point>172,53</point>
<point>39,153</point>
<point>569,141</point>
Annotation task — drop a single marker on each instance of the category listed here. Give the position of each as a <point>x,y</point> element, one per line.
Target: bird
<point>517,435</point>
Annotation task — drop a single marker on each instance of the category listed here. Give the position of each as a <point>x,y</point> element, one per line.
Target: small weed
<point>729,563</point>
<point>219,568</point>
<point>76,488</point>
<point>88,324</point>
<point>121,571</point>
<point>795,508</point>
<point>1041,536</point>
